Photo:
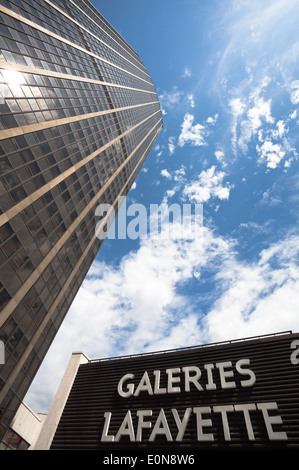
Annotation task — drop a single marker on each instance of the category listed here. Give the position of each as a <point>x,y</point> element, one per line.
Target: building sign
<point>229,395</point>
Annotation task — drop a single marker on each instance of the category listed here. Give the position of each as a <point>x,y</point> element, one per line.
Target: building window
<point>12,441</point>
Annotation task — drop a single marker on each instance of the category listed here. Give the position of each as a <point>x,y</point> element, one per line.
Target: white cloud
<point>178,175</point>
<point>293,115</point>
<point>170,99</point>
<point>281,129</point>
<point>170,193</point>
<point>212,119</point>
<point>270,197</point>
<point>259,298</point>
<point>275,146</point>
<point>219,154</point>
<point>193,134</point>
<point>256,228</point>
<point>237,109</point>
<point>171,145</point>
<point>271,153</point>
<point>187,73</point>
<point>256,44</point>
<point>209,184</point>
<point>295,93</point>
<point>190,98</point>
<point>139,306</point>
<point>251,116</point>
<point>254,51</point>
<point>249,112</point>
<point>260,111</point>
<point>166,174</point>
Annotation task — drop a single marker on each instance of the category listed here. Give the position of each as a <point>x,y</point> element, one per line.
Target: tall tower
<point>79,116</point>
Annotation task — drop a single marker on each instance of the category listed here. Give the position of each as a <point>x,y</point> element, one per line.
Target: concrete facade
<point>44,440</point>
<point>24,429</point>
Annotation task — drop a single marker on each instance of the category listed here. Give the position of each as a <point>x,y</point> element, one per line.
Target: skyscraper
<point>79,116</point>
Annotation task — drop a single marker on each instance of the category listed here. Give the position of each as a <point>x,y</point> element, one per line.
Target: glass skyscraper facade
<point>79,116</point>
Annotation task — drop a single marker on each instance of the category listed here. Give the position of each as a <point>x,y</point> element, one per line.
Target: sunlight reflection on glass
<point>12,77</point>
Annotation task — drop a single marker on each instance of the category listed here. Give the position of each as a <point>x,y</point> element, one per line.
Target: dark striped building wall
<point>79,116</point>
<point>234,395</point>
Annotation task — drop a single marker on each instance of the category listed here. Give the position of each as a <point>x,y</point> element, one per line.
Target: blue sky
<point>227,76</point>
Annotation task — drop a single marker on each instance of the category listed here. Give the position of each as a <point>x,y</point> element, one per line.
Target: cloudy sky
<point>227,75</point>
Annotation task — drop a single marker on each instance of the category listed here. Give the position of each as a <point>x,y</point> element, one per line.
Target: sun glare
<point>12,77</point>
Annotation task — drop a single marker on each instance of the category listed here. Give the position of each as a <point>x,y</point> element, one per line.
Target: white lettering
<point>200,423</point>
<point>270,420</point>
<point>224,410</point>
<point>130,387</point>
<point>107,214</point>
<point>246,408</point>
<point>251,381</point>
<point>181,425</point>
<point>192,378</point>
<point>105,437</point>
<point>157,389</point>
<point>224,374</point>
<point>140,222</point>
<point>172,380</point>
<point>114,460</point>
<point>141,424</point>
<point>144,385</point>
<point>122,217</point>
<point>161,427</point>
<point>295,354</point>
<point>126,428</point>
<point>210,385</point>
